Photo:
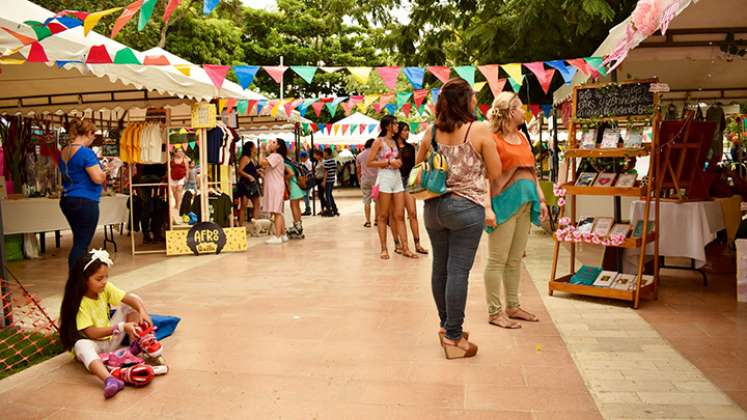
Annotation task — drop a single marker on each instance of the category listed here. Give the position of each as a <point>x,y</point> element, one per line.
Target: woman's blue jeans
<point>83,216</point>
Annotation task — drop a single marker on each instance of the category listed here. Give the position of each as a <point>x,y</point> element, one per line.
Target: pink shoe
<point>138,375</point>
<point>148,342</point>
<point>120,358</point>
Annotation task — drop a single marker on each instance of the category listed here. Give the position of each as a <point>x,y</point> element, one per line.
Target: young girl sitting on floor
<point>85,325</point>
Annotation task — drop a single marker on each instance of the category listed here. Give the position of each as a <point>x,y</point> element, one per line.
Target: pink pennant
<point>583,66</point>
<point>318,106</point>
<point>385,99</point>
<point>98,55</point>
<point>419,96</point>
<point>276,72</point>
<point>491,75</point>
<point>348,107</point>
<point>544,76</point>
<point>156,60</point>
<point>131,10</point>
<point>217,74</point>
<point>389,75</point>
<point>442,73</point>
<point>37,54</point>
<point>377,107</point>
<point>356,99</point>
<point>362,128</point>
<point>170,7</point>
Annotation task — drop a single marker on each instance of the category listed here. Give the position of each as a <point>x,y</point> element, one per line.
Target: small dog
<point>259,227</point>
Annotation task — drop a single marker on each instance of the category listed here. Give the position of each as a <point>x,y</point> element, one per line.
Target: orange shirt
<point>514,156</point>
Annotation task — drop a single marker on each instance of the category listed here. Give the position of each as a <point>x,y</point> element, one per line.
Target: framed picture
<point>626,181</point>
<point>605,279</point>
<point>602,226</point>
<point>605,179</point>
<point>634,138</point>
<point>586,179</point>
<point>585,225</point>
<point>610,138</point>
<point>620,229</point>
<point>589,139</point>
<point>624,282</point>
<point>638,231</point>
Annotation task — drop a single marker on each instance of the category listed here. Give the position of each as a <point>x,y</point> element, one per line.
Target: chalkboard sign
<point>614,100</point>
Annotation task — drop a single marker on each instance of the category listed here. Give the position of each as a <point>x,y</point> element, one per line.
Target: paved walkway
<point>322,328</point>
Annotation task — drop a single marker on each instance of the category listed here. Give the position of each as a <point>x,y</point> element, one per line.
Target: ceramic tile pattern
<point>322,328</point>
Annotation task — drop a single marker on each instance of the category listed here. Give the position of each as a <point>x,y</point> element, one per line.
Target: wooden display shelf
<point>563,284</point>
<point>617,119</point>
<point>604,191</point>
<point>629,243</point>
<point>611,153</point>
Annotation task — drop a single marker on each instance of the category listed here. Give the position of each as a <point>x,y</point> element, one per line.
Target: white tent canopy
<point>44,88</point>
<point>351,136</point>
<point>689,58</point>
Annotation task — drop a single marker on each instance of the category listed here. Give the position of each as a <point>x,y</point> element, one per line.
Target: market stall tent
<point>351,137</point>
<point>690,58</point>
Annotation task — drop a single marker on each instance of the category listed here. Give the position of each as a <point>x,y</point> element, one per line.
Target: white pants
<point>88,350</point>
<point>389,181</point>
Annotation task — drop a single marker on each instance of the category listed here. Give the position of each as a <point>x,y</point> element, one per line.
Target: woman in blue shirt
<point>82,177</point>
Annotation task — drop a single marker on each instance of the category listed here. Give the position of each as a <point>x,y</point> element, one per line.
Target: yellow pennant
<point>12,61</point>
<point>360,74</point>
<point>514,71</point>
<point>276,109</point>
<point>94,18</point>
<point>368,100</point>
<point>184,69</point>
<point>478,86</point>
<point>221,105</point>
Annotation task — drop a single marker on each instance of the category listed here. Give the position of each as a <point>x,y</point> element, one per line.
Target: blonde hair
<point>499,112</point>
<point>77,127</point>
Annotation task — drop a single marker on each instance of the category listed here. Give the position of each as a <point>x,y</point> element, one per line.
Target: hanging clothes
<point>142,143</point>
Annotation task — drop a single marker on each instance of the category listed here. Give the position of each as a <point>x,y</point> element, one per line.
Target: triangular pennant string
<point>581,65</point>
<point>442,73</point>
<point>245,74</point>
<point>276,72</point>
<point>389,75</point>
<point>331,69</point>
<point>597,63</point>
<point>126,56</point>
<point>170,7</point>
<point>94,18</point>
<point>184,69</point>
<point>514,72</point>
<point>145,13</point>
<point>565,70</point>
<point>516,85</point>
<point>415,75</point>
<point>156,60</point>
<point>402,98</point>
<point>217,74</point>
<point>306,72</point>
<point>434,95</point>
<point>491,75</point>
<point>318,107</point>
<point>419,96</point>
<point>129,12</point>
<point>37,54</point>
<point>360,74</point>
<point>391,108</point>
<point>42,31</point>
<point>467,73</point>
<point>543,76</point>
<point>242,106</point>
<point>208,6</point>
<point>406,109</point>
<point>98,55</point>
<point>261,104</point>
<point>478,86</point>
<point>332,107</point>
<point>25,40</point>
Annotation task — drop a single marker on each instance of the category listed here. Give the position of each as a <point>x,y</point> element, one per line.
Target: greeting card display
<point>589,139</point>
<point>586,179</point>
<point>624,282</point>
<point>634,138</point>
<point>585,225</point>
<point>626,181</point>
<point>605,279</point>
<point>620,229</point>
<point>610,138</point>
<point>603,226</point>
<point>605,179</point>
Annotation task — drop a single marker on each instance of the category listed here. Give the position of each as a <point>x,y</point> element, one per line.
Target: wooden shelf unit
<point>647,193</point>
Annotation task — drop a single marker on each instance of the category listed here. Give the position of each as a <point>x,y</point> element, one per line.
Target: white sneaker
<point>285,238</point>
<point>274,240</point>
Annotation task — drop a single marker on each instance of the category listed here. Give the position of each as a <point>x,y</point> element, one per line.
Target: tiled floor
<point>318,329</point>
<point>322,328</point>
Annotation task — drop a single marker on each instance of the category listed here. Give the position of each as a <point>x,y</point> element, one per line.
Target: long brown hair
<point>75,288</point>
<point>453,106</point>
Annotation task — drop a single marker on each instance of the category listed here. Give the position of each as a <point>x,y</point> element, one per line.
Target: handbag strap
<point>434,144</point>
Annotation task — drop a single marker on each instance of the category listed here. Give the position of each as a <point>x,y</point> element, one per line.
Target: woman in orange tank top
<point>514,202</point>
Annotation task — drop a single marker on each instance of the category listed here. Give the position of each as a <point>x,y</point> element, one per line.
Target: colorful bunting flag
<point>242,106</point>
<point>402,98</point>
<point>543,76</point>
<point>514,73</point>
<point>484,108</point>
<point>192,145</point>
<point>597,63</point>
<point>184,69</point>
<point>245,74</point>
<point>467,73</point>
<point>391,108</point>
<point>516,85</point>
<point>547,110</point>
<point>37,54</point>
<point>208,6</point>
<point>41,30</point>
<point>442,73</point>
<point>389,75</point>
<point>276,72</point>
<point>12,61</point>
<point>415,75</point>
<point>360,74</point>
<point>156,60</point>
<point>252,104</point>
<point>55,28</point>
<point>217,74</point>
<point>98,55</point>
<point>581,65</point>
<point>367,101</point>
<point>371,128</point>
<point>419,96</point>
<point>94,18</point>
<point>261,104</point>
<point>25,40</point>
<point>69,22</point>
<point>479,85</point>
<point>230,104</point>
<point>306,72</point>
<point>491,75</point>
<point>275,107</point>
<point>129,12</point>
<point>332,106</point>
<point>145,13</point>
<point>126,56</point>
<point>170,7</point>
<point>331,69</point>
<point>362,128</point>
<point>406,109</point>
<point>434,95</point>
<point>565,70</point>
<point>318,106</point>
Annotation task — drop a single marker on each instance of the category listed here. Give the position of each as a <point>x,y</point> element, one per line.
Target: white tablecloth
<point>686,229</point>
<point>32,215</point>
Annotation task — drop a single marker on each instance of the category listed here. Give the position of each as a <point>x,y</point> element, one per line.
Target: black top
<point>251,169</point>
<point>407,154</point>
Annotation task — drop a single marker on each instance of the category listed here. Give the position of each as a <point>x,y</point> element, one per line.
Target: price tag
<point>659,88</point>
<point>203,115</point>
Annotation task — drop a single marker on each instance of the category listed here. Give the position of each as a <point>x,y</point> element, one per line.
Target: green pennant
<point>597,64</point>
<point>516,86</point>
<point>145,13</point>
<point>467,73</point>
<point>306,72</point>
<point>421,110</point>
<point>126,56</point>
<point>192,145</point>
<point>414,127</point>
<point>41,30</point>
<point>305,127</point>
<point>354,128</point>
<point>402,98</point>
<point>242,106</point>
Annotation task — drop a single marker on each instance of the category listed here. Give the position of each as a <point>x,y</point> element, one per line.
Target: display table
<point>685,229</point>
<point>39,215</point>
